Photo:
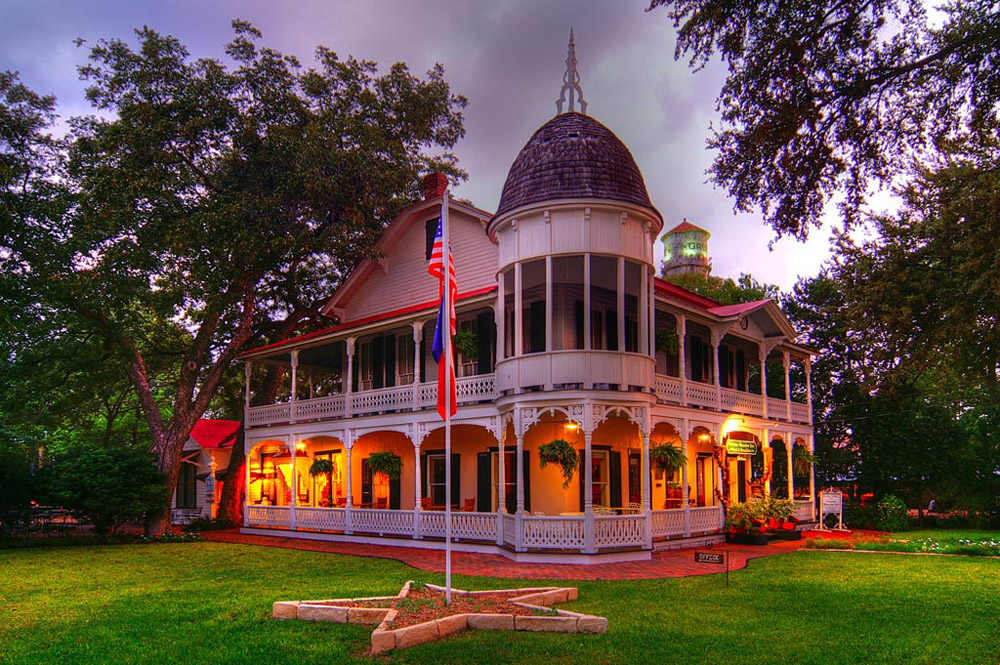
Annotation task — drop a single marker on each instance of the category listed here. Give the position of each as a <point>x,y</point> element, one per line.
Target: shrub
<point>891,514</point>
<point>15,481</point>
<point>200,524</point>
<point>107,486</point>
<point>857,516</point>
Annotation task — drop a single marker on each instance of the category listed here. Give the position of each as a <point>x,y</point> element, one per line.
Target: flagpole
<point>446,367</point>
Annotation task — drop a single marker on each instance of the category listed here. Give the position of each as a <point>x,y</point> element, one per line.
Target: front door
<point>741,479</point>
<point>699,471</point>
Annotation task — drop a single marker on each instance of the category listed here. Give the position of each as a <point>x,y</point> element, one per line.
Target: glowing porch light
<point>571,426</point>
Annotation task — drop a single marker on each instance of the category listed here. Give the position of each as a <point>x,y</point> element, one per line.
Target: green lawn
<point>210,602</point>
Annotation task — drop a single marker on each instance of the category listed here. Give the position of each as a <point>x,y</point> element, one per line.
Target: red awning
<point>215,433</point>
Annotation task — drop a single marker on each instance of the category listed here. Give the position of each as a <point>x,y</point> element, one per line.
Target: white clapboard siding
<point>406,283</point>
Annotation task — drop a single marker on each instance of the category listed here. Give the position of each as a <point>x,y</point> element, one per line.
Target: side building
<point>566,333</point>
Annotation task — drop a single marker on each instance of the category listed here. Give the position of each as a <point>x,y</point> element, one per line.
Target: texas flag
<point>446,369</point>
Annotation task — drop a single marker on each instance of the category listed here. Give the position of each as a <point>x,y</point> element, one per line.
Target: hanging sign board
<point>738,447</point>
<point>831,502</point>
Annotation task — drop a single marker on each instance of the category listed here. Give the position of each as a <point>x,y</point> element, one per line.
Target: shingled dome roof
<point>573,156</point>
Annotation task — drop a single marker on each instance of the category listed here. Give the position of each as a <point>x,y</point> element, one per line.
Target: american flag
<point>446,370</point>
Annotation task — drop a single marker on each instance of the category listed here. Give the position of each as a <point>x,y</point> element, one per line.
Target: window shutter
<point>537,313</point>
<point>723,366</point>
<point>390,360</point>
<point>394,492</point>
<point>615,481</point>
<point>366,482</point>
<point>486,333</point>
<point>695,359</point>
<point>527,480</point>
<point>484,486</point>
<point>430,230</point>
<point>424,480</point>
<point>741,371</point>
<point>378,363</point>
<point>456,479</point>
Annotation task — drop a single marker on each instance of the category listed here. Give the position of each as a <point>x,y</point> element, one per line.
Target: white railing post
<point>812,479</point>
<point>348,382</point>
<point>501,487</point>
<point>416,490</point>
<point>588,493</point>
<point>519,462</point>
<point>418,336</point>
<point>647,494</point>
<point>349,507</point>
<point>789,447</point>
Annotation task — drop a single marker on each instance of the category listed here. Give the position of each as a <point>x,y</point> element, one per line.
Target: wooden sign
<point>718,557</point>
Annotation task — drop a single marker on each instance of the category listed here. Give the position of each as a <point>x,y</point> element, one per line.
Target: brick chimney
<point>435,184</point>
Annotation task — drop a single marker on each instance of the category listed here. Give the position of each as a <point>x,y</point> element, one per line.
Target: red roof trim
<point>367,320</point>
<point>215,433</point>
<point>682,294</point>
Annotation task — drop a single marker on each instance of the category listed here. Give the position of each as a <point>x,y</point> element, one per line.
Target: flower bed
<point>928,545</point>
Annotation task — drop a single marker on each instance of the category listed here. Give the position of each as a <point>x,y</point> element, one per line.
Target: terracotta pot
<point>773,523</point>
<point>788,526</point>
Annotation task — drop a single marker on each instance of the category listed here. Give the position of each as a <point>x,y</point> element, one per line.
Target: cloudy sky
<point>506,56</point>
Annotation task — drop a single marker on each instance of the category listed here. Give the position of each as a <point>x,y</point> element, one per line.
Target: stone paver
<point>666,563</point>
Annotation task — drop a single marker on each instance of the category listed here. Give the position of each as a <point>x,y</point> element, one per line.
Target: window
<point>604,303</point>
<point>599,463</point>
<point>509,480</point>
<point>508,313</point>
<point>567,302</point>
<point>633,288</point>
<point>533,306</point>
<point>187,483</point>
<point>404,360</point>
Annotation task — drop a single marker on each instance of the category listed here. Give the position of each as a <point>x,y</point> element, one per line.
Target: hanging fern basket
<point>561,453</point>
<point>385,462</point>
<point>667,458</point>
<point>320,466</point>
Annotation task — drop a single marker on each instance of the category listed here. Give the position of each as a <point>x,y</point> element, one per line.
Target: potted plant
<point>667,342</point>
<point>667,458</point>
<point>561,453</point>
<point>802,461</point>
<point>466,342</point>
<point>737,519</point>
<point>387,463</point>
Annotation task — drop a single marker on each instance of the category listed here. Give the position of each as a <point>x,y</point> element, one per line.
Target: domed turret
<point>573,156</point>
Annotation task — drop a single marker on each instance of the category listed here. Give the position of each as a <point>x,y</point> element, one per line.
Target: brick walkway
<point>666,563</point>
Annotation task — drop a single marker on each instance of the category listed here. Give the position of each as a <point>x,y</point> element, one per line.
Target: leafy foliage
<point>320,466</point>
<point>892,514</point>
<point>666,457</point>
<point>726,290</point>
<point>107,486</point>
<point>466,342</point>
<point>385,462</point>
<point>822,98</point>
<point>561,453</point>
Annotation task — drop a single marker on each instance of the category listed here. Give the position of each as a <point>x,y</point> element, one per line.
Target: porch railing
<point>668,390</point>
<point>470,389</point>
<point>537,532</point>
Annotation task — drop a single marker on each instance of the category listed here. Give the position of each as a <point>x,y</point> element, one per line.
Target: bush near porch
<point>210,602</point>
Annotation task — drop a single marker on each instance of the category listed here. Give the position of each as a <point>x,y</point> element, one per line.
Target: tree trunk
<point>159,522</point>
<point>231,501</point>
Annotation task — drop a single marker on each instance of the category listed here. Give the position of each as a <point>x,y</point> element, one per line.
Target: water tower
<point>685,250</point>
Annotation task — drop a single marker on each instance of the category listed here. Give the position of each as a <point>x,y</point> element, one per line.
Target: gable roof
<point>686,226</point>
<point>365,266</point>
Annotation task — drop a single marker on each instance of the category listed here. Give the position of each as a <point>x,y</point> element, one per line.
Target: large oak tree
<point>217,200</point>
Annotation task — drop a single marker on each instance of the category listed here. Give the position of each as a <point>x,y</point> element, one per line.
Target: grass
<point>210,602</point>
<point>931,541</point>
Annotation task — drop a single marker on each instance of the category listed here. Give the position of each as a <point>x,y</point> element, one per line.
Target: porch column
<point>723,491</point>
<point>682,356</point>
<point>647,495</point>
<point>684,479</point>
<point>716,343</point>
<point>246,495</point>
<point>762,354</point>
<point>651,340</point>
<point>418,338</point>
<point>295,379</point>
<point>348,383</point>
<point>291,449</point>
<point>812,478</point>
<point>621,304</point>
<point>519,461</point>
<point>348,527</point>
<point>501,487</point>
<point>588,492</point>
<point>789,445</point>
<point>416,489</point>
<point>643,342</point>
<point>788,387</point>
<point>809,390</point>
<point>765,447</point>
<point>588,384</point>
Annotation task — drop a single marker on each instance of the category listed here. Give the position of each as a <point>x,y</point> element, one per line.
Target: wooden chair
<point>603,510</point>
<point>470,505</point>
<point>633,508</point>
<point>381,504</point>
<point>342,502</point>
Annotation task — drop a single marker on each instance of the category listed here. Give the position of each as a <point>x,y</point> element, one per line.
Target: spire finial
<point>571,82</point>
